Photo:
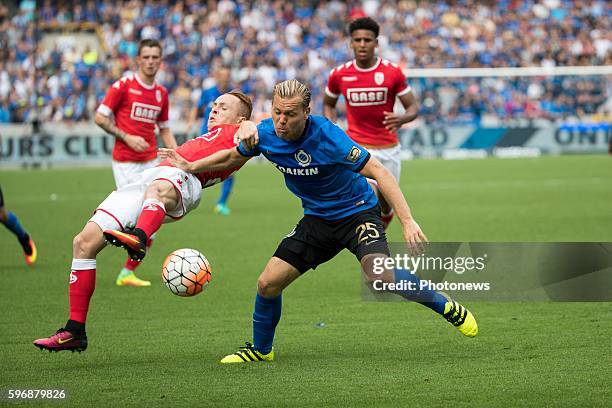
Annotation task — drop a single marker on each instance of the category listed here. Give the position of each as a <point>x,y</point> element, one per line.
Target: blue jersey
<point>207,98</point>
<point>321,168</point>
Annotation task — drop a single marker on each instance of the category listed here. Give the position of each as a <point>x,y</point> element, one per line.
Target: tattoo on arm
<point>109,126</point>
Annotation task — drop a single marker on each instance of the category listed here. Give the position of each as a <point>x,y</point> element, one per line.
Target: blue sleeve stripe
<point>363,163</point>
<point>239,148</point>
<point>244,153</point>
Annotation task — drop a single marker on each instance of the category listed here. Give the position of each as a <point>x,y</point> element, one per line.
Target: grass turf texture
<point>148,347</point>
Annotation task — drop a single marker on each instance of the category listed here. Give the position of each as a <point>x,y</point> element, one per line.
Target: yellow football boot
<point>461,318</point>
<point>128,278</point>
<point>247,354</point>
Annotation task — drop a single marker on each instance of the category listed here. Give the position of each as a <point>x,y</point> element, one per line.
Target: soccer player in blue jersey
<point>11,222</point>
<point>327,171</point>
<point>207,98</point>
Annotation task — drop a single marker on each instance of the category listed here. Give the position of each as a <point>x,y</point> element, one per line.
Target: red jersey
<point>368,93</point>
<point>221,137</point>
<point>137,107</point>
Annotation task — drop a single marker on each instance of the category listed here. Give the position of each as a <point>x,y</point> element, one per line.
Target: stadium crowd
<point>267,41</point>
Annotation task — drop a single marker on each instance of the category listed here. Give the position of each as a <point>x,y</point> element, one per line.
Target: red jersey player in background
<point>138,105</point>
<point>370,85</point>
<point>162,194</point>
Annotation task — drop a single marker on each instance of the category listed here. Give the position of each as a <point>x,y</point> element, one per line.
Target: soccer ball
<point>186,272</point>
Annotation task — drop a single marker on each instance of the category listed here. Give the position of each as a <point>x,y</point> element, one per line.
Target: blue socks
<point>12,223</point>
<point>226,189</point>
<point>426,297</point>
<point>265,318</point>
<point>267,311</point>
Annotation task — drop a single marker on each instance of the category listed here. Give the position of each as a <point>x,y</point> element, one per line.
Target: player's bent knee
<point>375,268</point>
<point>163,191</point>
<point>160,187</point>
<point>267,289</point>
<point>86,246</point>
<point>80,245</point>
<point>3,214</point>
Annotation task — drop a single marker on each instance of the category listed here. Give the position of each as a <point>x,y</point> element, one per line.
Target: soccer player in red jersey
<point>161,194</point>
<point>131,110</point>
<point>369,85</point>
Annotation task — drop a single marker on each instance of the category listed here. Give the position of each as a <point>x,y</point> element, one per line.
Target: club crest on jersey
<point>158,95</point>
<point>379,78</point>
<point>366,96</point>
<point>143,112</point>
<point>354,154</point>
<point>210,136</point>
<point>303,158</point>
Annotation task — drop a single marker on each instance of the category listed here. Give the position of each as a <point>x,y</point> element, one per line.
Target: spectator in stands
<point>268,41</point>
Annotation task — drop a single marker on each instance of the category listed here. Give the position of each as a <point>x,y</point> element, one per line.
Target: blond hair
<point>292,88</point>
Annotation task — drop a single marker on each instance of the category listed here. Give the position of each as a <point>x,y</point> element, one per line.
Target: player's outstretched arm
<point>247,135</point>
<point>221,160</point>
<point>390,190</point>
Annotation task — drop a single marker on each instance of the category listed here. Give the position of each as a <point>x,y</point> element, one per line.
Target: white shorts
<point>121,208</point>
<point>390,158</point>
<point>129,172</point>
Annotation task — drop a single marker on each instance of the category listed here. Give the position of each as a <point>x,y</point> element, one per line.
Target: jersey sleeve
<point>162,120</point>
<point>263,130</point>
<point>332,89</point>
<point>112,99</point>
<point>247,153</point>
<point>401,83</point>
<point>342,150</point>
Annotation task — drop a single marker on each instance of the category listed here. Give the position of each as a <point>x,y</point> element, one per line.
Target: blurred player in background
<point>10,221</point>
<point>130,111</point>
<point>161,194</point>
<point>370,85</point>
<point>222,77</point>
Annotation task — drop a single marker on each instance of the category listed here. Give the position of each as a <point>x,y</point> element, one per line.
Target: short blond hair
<point>292,88</point>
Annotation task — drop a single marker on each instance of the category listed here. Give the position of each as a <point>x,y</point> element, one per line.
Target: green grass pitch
<point>148,347</point>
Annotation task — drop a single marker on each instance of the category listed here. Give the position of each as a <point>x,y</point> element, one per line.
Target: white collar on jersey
<point>141,82</point>
<point>372,68</point>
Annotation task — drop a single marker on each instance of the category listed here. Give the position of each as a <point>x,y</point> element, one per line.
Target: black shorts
<point>315,240</point>
<point>1,198</point>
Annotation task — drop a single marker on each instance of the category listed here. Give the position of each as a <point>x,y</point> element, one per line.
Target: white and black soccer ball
<point>186,272</point>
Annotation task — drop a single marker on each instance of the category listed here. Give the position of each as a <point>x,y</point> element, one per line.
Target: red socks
<point>151,216</point>
<point>149,220</point>
<point>82,286</point>
<point>131,264</point>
